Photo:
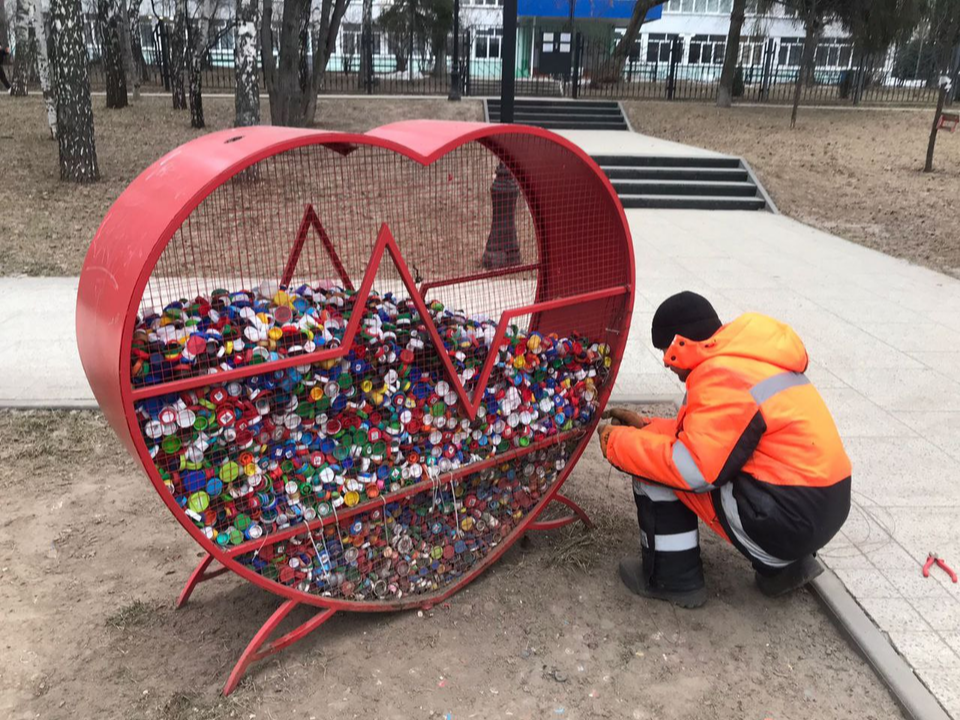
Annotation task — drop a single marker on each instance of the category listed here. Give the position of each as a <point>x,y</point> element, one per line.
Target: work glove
<point>618,417</point>
<point>621,416</point>
<point>603,434</point>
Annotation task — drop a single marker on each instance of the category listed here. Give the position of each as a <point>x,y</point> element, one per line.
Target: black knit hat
<point>686,314</point>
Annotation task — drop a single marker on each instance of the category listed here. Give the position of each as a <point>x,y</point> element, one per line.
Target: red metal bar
<point>310,219</point>
<point>253,653</point>
<point>578,514</point>
<point>400,494</point>
<point>386,242</point>
<point>198,576</point>
<point>477,276</point>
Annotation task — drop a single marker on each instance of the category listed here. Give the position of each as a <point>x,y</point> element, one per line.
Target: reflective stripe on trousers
<point>732,512</point>
<point>674,542</point>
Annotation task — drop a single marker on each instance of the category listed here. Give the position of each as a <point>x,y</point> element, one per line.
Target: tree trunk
<point>136,42</point>
<point>286,109</point>
<point>178,48</point>
<point>78,151</point>
<point>303,43</point>
<point>197,55</point>
<point>116,85</point>
<point>245,64</point>
<point>806,60</point>
<point>725,91</point>
<point>931,144</point>
<point>324,29</point>
<point>440,61</point>
<point>4,30</point>
<point>266,49</point>
<point>130,73</point>
<point>21,58</point>
<point>43,65</point>
<point>366,27</point>
<point>612,70</point>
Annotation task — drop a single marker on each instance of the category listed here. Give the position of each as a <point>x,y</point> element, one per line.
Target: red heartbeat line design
<point>385,243</point>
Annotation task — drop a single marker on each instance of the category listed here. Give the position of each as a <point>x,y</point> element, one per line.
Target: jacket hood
<point>752,336</point>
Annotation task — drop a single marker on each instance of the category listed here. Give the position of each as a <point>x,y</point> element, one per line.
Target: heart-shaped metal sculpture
<point>354,371</point>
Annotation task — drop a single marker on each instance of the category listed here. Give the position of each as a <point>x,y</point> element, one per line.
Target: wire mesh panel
<point>356,370</point>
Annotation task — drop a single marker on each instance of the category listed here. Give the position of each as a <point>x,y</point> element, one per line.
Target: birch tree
<point>136,44</point>
<point>612,69</point>
<point>78,151</point>
<point>21,57</point>
<point>130,73</point>
<point>43,65</point>
<point>108,17</point>
<point>245,64</point>
<point>197,54</point>
<point>732,54</point>
<point>178,54</point>
<point>4,34</point>
<point>291,104</point>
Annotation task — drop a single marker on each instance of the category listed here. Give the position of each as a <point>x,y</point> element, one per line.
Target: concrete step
<point>666,161</point>
<point>572,124</point>
<point>684,187</point>
<point>688,202</point>
<point>534,118</point>
<point>678,173</point>
<point>550,104</point>
<point>561,113</point>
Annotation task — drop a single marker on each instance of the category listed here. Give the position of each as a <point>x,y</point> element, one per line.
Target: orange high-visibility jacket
<point>752,421</point>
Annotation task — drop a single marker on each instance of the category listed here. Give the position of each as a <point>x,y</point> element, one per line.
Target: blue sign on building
<point>585,9</point>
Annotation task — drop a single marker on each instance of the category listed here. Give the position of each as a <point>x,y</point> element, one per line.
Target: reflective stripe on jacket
<point>751,420</point>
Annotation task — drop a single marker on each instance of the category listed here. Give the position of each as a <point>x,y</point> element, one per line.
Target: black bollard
<point>502,249</point>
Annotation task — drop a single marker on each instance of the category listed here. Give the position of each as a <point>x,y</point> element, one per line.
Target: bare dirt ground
<point>91,564</point>
<point>856,174</point>
<point>46,226</point>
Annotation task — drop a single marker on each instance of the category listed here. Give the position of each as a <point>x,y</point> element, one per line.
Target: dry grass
<point>47,225</point>
<point>853,173</point>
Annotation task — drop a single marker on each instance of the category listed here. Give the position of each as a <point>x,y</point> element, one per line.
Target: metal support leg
<point>198,576</point>
<point>578,514</point>
<point>253,653</point>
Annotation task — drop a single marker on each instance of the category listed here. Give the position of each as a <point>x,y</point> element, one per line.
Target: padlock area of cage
<point>329,390</point>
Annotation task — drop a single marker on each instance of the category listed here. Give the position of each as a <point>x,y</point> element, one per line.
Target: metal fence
<point>370,62</point>
<point>598,74</point>
<point>401,66</point>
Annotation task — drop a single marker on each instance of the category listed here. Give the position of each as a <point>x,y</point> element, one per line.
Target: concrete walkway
<point>884,338</point>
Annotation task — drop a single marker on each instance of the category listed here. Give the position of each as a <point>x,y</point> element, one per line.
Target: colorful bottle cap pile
<point>256,455</point>
<point>417,546</point>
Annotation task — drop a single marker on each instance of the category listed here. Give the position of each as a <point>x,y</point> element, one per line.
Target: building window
<point>658,48</point>
<point>751,51</point>
<point>486,43</point>
<point>223,35</point>
<point>700,7</point>
<point>707,49</point>
<point>351,39</point>
<point>791,51</point>
<point>488,3</point>
<point>833,53</point>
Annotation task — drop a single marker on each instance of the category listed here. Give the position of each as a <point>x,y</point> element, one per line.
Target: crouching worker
<point>753,453</point>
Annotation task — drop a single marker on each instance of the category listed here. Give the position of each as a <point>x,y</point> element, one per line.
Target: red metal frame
<point>310,219</point>
<point>151,210</point>
<point>252,653</point>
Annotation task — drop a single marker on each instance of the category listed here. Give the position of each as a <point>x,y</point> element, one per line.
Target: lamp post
<point>502,249</point>
<point>455,65</point>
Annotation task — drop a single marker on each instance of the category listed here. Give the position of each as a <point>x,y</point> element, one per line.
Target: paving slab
<point>884,344</point>
<point>884,339</point>
<point>618,142</point>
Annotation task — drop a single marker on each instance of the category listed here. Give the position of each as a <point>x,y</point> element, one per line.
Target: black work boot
<point>632,575</point>
<point>793,577</point>
<point>669,566</point>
